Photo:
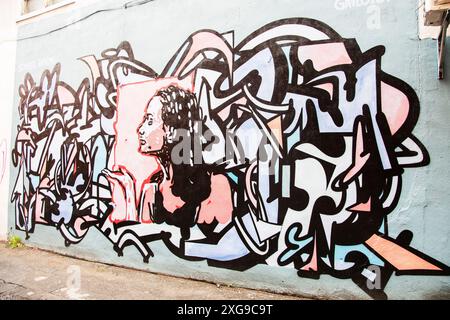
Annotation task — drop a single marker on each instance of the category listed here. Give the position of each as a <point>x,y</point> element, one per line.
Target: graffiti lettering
<point>287,149</point>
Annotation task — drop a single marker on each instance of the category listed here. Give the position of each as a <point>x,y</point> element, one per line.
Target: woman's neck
<point>164,162</point>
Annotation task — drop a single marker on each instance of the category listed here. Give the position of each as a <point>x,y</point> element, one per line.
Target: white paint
<point>39,279</point>
<point>369,275</point>
<point>9,10</point>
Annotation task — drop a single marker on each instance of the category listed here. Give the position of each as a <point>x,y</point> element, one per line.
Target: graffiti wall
<point>286,149</point>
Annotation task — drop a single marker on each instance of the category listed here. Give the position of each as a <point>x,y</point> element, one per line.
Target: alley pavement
<point>33,274</point>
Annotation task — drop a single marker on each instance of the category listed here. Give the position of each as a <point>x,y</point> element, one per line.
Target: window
<point>29,6</point>
<point>30,9</point>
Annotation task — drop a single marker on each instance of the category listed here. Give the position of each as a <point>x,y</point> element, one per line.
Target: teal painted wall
<point>158,29</point>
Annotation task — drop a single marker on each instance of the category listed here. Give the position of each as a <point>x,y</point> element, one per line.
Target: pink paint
<point>328,87</point>
<point>400,258</point>
<point>395,105</point>
<point>312,265</point>
<point>39,206</point>
<point>170,202</point>
<point>324,55</point>
<point>92,63</point>
<point>77,226</point>
<point>362,207</point>
<point>219,205</point>
<point>79,223</point>
<point>224,113</point>
<point>145,213</point>
<point>131,107</point>
<point>206,40</point>
<point>119,212</point>
<point>65,96</point>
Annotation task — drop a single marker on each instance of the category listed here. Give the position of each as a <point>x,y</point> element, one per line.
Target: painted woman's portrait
<point>286,149</point>
<point>184,191</point>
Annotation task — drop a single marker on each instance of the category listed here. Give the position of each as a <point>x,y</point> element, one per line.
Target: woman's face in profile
<point>151,131</point>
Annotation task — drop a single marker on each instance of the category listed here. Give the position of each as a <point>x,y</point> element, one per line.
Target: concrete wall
<point>332,185</point>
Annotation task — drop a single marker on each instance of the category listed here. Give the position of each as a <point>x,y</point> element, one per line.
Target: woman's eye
<point>150,122</point>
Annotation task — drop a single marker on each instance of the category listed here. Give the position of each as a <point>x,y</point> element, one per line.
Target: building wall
<point>323,166</point>
<point>8,13</point>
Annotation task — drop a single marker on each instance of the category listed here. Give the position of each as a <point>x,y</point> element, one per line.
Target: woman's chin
<point>144,150</point>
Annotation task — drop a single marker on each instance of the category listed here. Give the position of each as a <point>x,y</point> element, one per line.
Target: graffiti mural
<point>286,149</point>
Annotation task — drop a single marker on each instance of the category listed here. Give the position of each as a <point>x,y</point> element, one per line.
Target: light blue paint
<point>293,139</point>
<point>341,251</point>
<point>233,177</point>
<point>230,247</point>
<point>287,52</point>
<point>297,245</point>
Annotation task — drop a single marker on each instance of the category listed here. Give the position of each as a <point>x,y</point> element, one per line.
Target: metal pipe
<point>441,45</point>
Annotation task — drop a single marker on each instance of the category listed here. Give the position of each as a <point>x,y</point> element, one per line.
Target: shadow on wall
<point>3,153</point>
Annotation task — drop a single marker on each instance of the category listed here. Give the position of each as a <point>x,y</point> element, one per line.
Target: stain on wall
<point>286,149</point>
<point>3,154</point>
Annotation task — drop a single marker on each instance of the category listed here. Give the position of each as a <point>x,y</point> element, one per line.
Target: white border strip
<point>43,11</point>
